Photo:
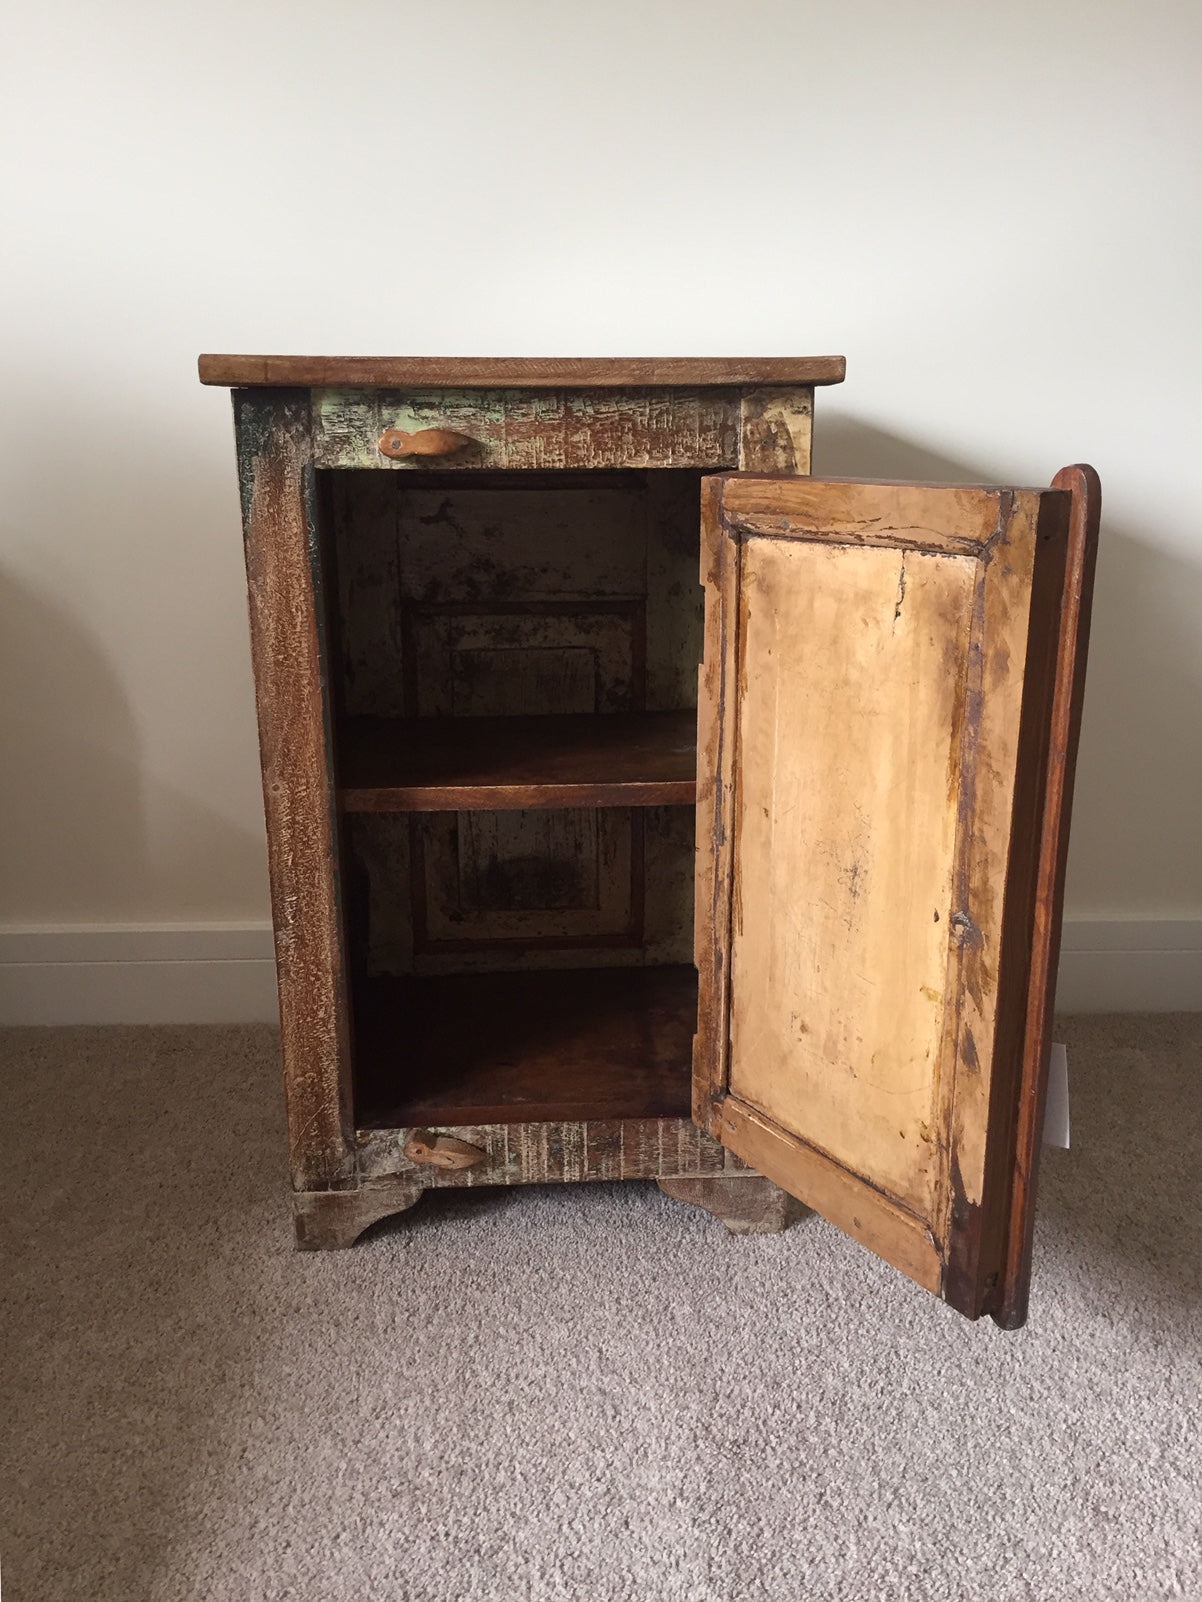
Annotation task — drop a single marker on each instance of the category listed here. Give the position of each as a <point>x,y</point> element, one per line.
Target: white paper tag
<point>1055,1119</point>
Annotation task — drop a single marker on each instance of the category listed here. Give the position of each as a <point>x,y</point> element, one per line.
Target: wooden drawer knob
<point>395,442</point>
<point>441,1151</point>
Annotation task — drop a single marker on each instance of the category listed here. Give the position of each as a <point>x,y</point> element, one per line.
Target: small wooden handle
<point>395,442</point>
<point>441,1151</point>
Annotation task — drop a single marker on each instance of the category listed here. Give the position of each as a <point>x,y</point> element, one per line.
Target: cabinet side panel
<point>285,584</point>
<point>776,430</point>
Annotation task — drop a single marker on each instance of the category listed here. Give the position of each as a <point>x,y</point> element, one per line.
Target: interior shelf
<point>537,1046</point>
<point>637,759</point>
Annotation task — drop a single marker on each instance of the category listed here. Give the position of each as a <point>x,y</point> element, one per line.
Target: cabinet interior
<point>513,674</point>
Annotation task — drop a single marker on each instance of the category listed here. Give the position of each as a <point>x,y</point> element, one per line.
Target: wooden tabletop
<point>519,372</point>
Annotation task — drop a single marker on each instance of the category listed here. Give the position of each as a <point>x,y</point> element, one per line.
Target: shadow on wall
<point>92,834</point>
<point>1136,846</point>
<point>89,835</point>
<point>127,741</point>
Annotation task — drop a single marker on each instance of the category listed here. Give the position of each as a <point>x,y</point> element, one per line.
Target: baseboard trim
<point>225,973</point>
<point>124,974</point>
<point>1130,965</point>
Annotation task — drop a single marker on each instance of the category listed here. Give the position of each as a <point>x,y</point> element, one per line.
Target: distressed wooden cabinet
<point>641,807</point>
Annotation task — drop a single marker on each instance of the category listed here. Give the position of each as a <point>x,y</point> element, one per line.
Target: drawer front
<point>512,429</point>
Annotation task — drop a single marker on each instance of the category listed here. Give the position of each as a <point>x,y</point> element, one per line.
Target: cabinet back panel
<point>461,892</point>
<point>579,591</point>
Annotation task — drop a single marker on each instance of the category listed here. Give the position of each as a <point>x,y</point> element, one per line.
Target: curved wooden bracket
<point>332,1220</point>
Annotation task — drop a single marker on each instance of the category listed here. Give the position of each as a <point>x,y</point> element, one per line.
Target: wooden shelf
<point>639,759</point>
<point>531,1047</point>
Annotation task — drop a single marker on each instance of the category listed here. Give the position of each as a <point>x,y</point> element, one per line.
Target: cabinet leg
<point>748,1204</point>
<point>331,1220</point>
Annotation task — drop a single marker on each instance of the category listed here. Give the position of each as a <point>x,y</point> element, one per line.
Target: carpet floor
<point>580,1392</point>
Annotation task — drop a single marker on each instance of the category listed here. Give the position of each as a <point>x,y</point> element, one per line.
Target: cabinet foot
<point>748,1204</point>
<point>331,1220</point>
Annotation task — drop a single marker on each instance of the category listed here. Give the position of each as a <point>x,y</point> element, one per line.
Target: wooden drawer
<point>766,430</point>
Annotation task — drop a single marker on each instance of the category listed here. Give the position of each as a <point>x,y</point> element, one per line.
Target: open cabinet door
<point>889,707</point>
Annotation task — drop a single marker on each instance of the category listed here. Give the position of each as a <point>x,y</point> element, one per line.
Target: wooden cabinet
<point>641,807</point>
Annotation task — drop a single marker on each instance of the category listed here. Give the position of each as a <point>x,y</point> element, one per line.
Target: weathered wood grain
<point>510,763</point>
<point>844,843</point>
<point>874,712</point>
<point>532,430</point>
<point>748,1204</point>
<point>527,372</point>
<point>284,567</point>
<point>332,1220</point>
<point>717,679</point>
<point>1006,730</point>
<point>944,519</point>
<point>849,1200</point>
<point>1050,830</point>
<point>502,594</point>
<point>668,1149</point>
<point>776,428</point>
<point>556,1152</point>
<point>674,608</point>
<point>423,918</point>
<point>500,883</point>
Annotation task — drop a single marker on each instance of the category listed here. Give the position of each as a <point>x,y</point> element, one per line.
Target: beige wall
<point>993,211</point>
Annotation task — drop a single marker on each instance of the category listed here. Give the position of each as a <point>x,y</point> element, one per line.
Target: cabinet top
<point>518,372</point>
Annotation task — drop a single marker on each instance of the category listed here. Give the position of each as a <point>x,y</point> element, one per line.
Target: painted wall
<point>994,212</point>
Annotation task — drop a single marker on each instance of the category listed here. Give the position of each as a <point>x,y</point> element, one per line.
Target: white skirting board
<point>161,974</point>
<point>1141,965</point>
<point>225,973</point>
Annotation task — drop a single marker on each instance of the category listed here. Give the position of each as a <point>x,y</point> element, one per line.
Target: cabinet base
<point>688,1165</point>
<point>748,1204</point>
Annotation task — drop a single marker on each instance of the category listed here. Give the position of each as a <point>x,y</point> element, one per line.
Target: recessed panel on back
<point>851,684</point>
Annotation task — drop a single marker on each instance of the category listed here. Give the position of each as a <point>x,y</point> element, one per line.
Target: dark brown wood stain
<point>506,763</point>
<point>523,1047</point>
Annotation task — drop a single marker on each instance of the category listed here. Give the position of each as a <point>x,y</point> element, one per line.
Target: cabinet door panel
<point>888,709</point>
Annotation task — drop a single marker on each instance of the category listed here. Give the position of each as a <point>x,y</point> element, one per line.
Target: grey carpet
<point>587,1392</point>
